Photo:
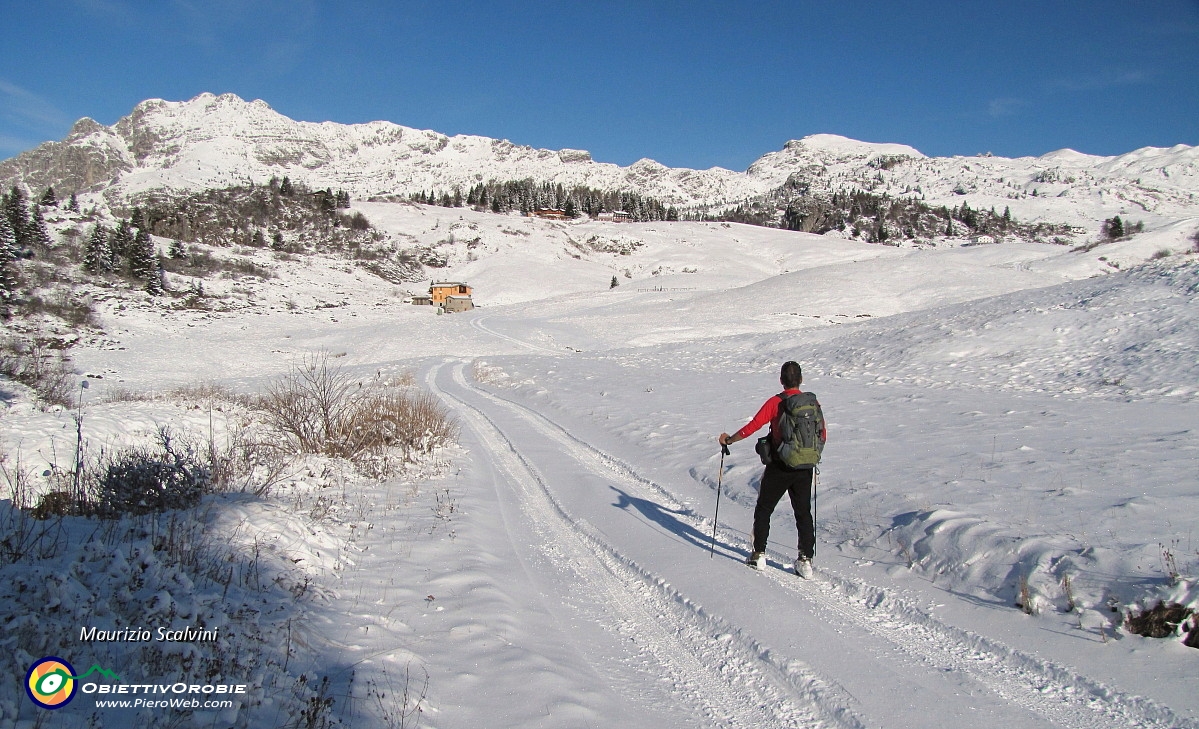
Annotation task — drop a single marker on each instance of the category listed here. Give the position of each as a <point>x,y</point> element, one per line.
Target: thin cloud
<point>24,108</point>
<point>1100,82</point>
<point>279,31</point>
<point>12,146</point>
<point>1005,107</point>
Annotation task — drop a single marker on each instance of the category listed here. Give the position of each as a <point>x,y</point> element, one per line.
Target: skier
<point>779,479</point>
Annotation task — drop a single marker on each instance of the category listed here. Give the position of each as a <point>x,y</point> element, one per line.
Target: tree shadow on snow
<point>668,519</point>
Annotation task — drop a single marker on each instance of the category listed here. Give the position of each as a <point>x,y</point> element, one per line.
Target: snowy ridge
<point>217,141</point>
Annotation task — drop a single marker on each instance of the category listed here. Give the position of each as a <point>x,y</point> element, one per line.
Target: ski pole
<point>815,480</point>
<point>724,451</point>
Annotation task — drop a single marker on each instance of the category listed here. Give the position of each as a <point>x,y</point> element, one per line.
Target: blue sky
<point>690,84</point>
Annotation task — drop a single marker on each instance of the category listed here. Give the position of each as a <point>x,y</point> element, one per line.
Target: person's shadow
<point>669,520</point>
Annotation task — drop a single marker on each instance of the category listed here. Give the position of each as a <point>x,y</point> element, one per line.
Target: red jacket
<point>769,413</point>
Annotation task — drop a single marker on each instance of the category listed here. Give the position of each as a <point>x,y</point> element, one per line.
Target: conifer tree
<point>121,243</point>
<point>49,199</point>
<point>97,256</point>
<point>37,234</point>
<point>8,254</point>
<point>1114,228</point>
<point>8,288</point>
<point>17,211</point>
<point>8,240</point>
<point>73,205</point>
<point>141,256</point>
<point>156,283</point>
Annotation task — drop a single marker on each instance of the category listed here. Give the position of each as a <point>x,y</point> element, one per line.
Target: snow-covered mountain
<point>216,141</point>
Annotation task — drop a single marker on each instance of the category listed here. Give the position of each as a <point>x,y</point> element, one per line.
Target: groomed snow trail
<point>734,648</point>
<point>689,658</point>
<point>478,323</point>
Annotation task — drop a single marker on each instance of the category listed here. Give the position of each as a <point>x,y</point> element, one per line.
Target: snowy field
<point>1002,419</point>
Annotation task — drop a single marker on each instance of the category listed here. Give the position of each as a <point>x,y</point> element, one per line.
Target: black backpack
<point>801,431</point>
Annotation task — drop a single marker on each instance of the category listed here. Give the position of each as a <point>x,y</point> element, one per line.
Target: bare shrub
<point>119,393</point>
<point>381,421</point>
<point>398,708</point>
<point>309,404</point>
<point>16,477</point>
<point>41,364</point>
<point>199,263</point>
<point>356,221</point>
<point>54,503</point>
<point>245,464</point>
<point>148,480</point>
<point>319,408</point>
<point>22,535</point>
<point>238,267</point>
<point>211,392</point>
<point>64,304</point>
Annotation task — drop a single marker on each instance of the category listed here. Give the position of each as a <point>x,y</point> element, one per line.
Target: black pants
<point>775,483</point>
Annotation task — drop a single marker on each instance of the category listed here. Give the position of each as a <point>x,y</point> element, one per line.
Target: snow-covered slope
<point>1000,417</point>
<point>216,141</point>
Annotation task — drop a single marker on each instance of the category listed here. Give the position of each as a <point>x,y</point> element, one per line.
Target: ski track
<point>701,641</point>
<point>706,661</point>
<point>477,323</point>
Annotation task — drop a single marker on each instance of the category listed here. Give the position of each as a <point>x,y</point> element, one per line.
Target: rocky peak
<point>83,128</point>
<point>214,141</point>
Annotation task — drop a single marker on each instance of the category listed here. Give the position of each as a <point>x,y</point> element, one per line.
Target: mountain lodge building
<point>449,296</point>
<point>442,290</point>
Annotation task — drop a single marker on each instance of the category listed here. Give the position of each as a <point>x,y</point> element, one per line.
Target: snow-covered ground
<point>998,415</point>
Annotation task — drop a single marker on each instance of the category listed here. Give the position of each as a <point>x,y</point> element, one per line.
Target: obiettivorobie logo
<point>51,682</point>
